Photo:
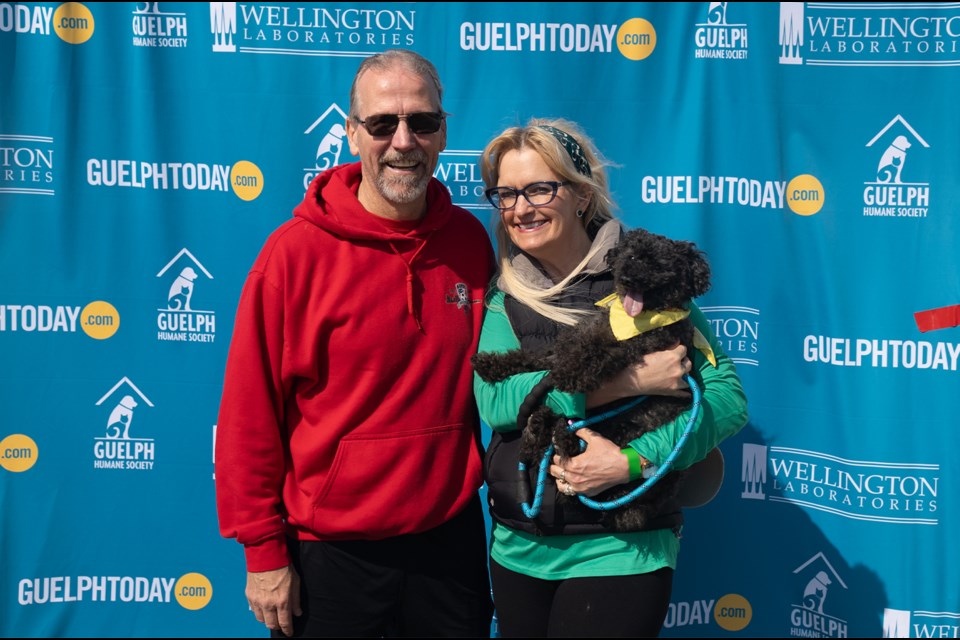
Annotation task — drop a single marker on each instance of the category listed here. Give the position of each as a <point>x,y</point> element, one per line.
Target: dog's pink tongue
<point>633,303</point>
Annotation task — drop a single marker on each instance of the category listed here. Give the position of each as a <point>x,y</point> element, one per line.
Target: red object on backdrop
<point>940,318</point>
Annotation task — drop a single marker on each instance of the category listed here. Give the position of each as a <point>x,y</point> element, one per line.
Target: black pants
<point>427,585</point>
<point>605,607</point>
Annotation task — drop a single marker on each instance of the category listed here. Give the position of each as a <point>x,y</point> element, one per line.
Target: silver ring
<point>568,490</point>
<point>563,475</point>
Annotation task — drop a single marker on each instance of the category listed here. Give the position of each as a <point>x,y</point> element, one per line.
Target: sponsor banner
<point>325,31</point>
<point>876,34</point>
<point>120,448</point>
<point>191,591</point>
<point>870,491</point>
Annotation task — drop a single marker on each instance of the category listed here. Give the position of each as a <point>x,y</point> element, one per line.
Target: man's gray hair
<point>391,58</point>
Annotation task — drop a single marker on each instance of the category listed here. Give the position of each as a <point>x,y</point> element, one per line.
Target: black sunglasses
<point>385,124</point>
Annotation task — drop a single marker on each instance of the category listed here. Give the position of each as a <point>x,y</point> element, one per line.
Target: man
<point>347,455</point>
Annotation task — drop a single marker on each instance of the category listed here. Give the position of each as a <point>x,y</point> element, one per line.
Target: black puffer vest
<point>506,486</point>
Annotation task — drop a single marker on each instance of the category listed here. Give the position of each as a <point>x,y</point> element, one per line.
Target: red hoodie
<point>347,409</point>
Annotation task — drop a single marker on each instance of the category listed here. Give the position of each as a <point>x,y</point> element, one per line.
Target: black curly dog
<point>650,273</point>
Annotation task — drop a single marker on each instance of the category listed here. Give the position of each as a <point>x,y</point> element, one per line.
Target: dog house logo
<point>26,164</point>
<point>890,192</point>
<point>223,26</point>
<point>155,28</point>
<point>865,490</point>
<point>459,171</point>
<point>738,330</point>
<point>329,135</point>
<point>869,34</point>
<point>180,320</point>
<point>809,619</point>
<point>899,623</point>
<point>719,39</point>
<point>120,447</point>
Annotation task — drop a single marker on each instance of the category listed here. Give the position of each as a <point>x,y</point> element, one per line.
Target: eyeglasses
<point>385,124</point>
<point>536,193</point>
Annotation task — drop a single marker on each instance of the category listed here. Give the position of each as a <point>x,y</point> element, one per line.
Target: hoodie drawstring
<point>409,266</point>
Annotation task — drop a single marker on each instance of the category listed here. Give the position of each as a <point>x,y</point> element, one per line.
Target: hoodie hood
<point>331,203</point>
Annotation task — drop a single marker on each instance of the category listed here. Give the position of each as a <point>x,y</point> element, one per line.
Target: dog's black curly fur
<point>669,273</point>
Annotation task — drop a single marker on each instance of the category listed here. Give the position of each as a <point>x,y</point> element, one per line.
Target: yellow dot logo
<point>18,452</point>
<point>805,195</point>
<point>73,22</point>
<point>732,612</point>
<point>193,591</point>
<point>636,39</point>
<point>99,320</point>
<point>246,180</point>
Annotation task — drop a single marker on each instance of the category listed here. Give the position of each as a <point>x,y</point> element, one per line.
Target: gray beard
<point>402,190</point>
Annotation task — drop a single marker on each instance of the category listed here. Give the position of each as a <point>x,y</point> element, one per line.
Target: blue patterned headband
<point>574,150</point>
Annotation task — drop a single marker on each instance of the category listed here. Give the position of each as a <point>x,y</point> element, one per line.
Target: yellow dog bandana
<point>624,327</point>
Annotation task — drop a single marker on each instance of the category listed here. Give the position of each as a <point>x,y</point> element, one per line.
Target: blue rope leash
<point>531,511</point>
<point>664,468</point>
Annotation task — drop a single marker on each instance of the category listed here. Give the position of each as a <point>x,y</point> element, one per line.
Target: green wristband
<point>633,459</point>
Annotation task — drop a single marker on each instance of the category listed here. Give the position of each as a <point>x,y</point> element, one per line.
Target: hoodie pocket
<point>390,484</point>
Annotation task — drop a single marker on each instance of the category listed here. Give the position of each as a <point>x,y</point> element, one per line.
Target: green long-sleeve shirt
<point>723,413</point>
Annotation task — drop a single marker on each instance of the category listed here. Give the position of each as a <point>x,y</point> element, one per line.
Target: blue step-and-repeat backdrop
<point>811,149</point>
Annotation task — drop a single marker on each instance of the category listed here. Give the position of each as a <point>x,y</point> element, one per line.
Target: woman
<point>564,574</point>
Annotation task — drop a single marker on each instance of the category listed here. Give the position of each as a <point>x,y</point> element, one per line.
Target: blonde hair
<point>594,186</point>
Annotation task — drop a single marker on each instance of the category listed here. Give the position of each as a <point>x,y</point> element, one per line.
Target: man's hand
<point>274,597</point>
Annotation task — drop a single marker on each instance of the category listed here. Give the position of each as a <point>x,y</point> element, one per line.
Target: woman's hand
<point>661,374</point>
<point>598,468</point>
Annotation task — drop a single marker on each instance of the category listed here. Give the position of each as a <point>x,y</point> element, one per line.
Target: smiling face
<point>396,168</point>
<point>551,233</point>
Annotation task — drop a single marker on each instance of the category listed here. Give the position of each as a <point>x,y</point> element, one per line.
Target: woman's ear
<point>584,196</point>
<point>583,199</point>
